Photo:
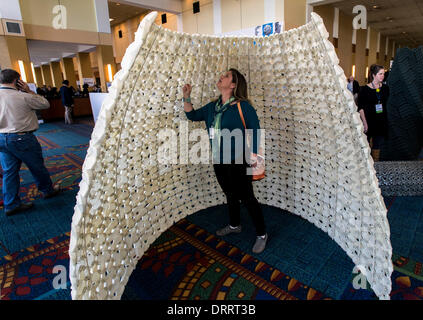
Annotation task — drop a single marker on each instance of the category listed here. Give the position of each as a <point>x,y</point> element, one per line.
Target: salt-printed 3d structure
<point>318,161</point>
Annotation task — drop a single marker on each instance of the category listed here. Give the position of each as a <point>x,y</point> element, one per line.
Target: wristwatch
<point>188,100</point>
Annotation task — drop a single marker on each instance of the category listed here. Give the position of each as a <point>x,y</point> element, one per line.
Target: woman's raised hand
<point>186,90</point>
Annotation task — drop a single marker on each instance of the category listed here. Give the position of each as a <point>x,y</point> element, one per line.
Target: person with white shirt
<point>18,144</point>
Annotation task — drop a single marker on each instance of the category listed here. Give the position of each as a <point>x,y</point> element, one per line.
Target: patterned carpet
<point>188,262</point>
<point>300,260</point>
<point>64,149</point>
<point>30,273</point>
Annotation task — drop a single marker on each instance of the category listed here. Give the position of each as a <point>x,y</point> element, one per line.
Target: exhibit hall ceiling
<point>400,20</point>
<point>119,12</point>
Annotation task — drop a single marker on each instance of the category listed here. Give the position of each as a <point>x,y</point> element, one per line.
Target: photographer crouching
<point>18,144</point>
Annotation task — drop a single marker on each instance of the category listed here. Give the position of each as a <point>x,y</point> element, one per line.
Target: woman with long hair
<point>372,104</point>
<point>229,160</point>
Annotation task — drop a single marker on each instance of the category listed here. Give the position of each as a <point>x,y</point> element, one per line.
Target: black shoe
<point>227,230</point>
<point>55,192</point>
<point>21,207</point>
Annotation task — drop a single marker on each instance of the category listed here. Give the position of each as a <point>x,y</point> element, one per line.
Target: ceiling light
<point>33,72</point>
<point>117,3</point>
<point>111,19</point>
<point>109,72</point>
<point>22,70</point>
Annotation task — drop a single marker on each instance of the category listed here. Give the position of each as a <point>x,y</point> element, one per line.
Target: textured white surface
<point>318,162</point>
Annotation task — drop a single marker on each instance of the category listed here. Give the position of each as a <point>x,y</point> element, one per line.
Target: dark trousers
<point>238,187</point>
<point>16,148</point>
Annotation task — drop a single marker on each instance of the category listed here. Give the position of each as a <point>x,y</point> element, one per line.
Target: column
<point>394,51</point>
<point>294,13</point>
<point>354,49</point>
<point>105,58</point>
<point>13,48</point>
<point>68,69</point>
<point>56,74</point>
<point>335,33</point>
<point>39,76</point>
<point>269,11</point>
<point>217,17</point>
<point>46,73</point>
<point>84,67</point>
<point>367,53</point>
<point>14,54</point>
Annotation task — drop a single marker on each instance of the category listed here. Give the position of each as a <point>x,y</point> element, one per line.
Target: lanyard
<point>378,93</point>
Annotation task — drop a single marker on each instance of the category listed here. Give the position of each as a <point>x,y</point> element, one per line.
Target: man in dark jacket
<point>67,101</point>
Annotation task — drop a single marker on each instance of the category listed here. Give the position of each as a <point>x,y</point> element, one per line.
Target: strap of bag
<point>241,115</point>
<point>243,121</point>
<point>257,176</point>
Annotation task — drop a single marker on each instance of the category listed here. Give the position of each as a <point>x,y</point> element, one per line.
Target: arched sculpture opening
<point>318,162</point>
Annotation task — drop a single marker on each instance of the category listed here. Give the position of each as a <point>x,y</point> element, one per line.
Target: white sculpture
<point>318,162</point>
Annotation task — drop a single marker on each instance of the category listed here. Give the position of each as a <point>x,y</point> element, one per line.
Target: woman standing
<point>232,175</point>
<point>372,106</point>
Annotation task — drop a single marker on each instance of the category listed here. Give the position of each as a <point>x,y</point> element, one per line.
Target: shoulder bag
<point>259,169</point>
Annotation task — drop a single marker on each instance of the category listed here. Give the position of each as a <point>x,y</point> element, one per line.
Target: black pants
<point>238,186</point>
